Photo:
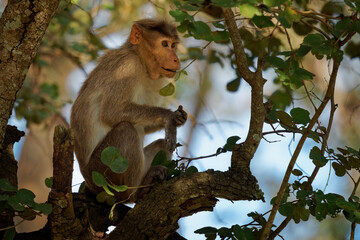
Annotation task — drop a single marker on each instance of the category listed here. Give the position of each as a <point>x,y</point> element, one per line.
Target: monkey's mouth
<point>169,70</point>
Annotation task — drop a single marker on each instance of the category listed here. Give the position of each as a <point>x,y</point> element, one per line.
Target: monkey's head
<point>157,42</point>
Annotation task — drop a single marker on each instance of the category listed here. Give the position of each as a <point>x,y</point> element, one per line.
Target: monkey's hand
<point>181,116</point>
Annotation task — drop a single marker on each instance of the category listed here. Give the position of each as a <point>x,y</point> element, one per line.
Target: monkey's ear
<point>135,34</point>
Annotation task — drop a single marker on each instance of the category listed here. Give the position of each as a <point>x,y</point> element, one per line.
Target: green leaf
<point>191,169</point>
<point>225,232</point>
<point>339,169</point>
<point>297,172</point>
<point>284,118</point>
<point>218,25</point>
<point>6,186</point>
<point>274,3</point>
<point>101,197</point>
<point>4,197</point>
<point>343,26</point>
<point>286,209</point>
<point>109,154</point>
<point>233,85</point>
<point>321,211</point>
<point>107,190</point>
<point>220,36</point>
<point>49,182</point>
<point>25,196</point>
<point>243,233</point>
<point>300,115</point>
<point>303,194</point>
<point>281,17</point>
<point>206,230</point>
<point>121,188</point>
<point>179,15</point>
<point>275,61</point>
<point>318,159</point>
<point>45,208</point>
<point>313,40</point>
<point>159,159</point>
<point>28,214</point>
<point>262,21</point>
<point>98,179</point>
<point>168,90</point>
<point>14,202</point>
<point>119,165</point>
<point>280,99</point>
<point>230,143</point>
<point>199,30</point>
<point>248,10</point>
<point>9,234</point>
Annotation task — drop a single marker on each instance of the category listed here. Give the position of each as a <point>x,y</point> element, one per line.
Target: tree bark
<point>156,215</point>
<point>8,168</point>
<point>22,27</point>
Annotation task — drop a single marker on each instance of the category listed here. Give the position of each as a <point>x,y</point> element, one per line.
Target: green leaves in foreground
<point>110,156</point>
<point>20,201</point>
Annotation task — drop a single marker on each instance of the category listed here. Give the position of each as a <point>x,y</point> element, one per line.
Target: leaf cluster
<point>21,202</point>
<point>37,106</point>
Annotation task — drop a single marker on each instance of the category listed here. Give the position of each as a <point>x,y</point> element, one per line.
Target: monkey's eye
<point>173,45</point>
<point>164,44</point>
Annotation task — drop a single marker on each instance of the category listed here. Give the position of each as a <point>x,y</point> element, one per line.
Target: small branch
<point>241,59</point>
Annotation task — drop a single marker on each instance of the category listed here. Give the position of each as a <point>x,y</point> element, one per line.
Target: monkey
<point>118,104</point>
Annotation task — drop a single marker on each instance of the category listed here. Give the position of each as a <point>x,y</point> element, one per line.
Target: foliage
<point>268,30</point>
<point>326,32</point>
<point>20,201</point>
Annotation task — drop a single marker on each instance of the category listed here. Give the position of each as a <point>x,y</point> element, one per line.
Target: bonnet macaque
<point>118,104</point>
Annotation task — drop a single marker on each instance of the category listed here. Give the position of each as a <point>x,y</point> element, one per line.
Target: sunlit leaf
<point>248,10</point>
<point>168,90</point>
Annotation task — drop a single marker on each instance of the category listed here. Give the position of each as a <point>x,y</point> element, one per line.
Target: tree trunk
<point>22,27</point>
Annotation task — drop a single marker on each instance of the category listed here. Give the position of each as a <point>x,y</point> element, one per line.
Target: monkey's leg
<point>125,137</point>
<point>156,172</point>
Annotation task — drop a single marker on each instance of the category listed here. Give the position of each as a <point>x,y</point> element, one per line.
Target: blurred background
<point>82,31</point>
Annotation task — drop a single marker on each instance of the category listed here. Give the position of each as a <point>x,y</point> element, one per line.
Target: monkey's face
<point>166,63</point>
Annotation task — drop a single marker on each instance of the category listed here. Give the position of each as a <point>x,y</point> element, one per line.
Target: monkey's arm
<point>181,117</point>
<point>117,106</point>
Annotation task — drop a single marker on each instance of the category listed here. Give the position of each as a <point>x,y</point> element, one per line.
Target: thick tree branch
<point>22,26</point>
<point>156,215</point>
<point>243,153</point>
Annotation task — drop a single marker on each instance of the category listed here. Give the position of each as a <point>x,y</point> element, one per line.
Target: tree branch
<point>22,26</point>
<point>62,221</point>
<point>243,153</point>
<point>156,215</point>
